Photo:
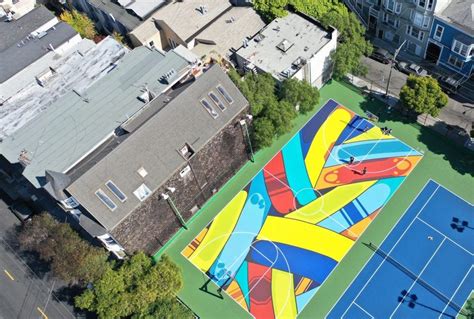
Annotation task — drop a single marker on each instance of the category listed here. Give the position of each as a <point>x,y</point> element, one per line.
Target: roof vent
<point>41,34</point>
<point>202,9</point>
<point>284,45</point>
<point>169,76</point>
<point>146,96</point>
<point>23,158</point>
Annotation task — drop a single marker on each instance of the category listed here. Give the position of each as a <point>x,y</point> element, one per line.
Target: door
<point>433,52</point>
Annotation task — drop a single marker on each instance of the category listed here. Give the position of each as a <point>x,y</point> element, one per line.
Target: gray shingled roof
<point>127,19</point>
<point>14,31</point>
<point>154,146</point>
<point>461,13</point>
<point>73,125</point>
<point>16,57</point>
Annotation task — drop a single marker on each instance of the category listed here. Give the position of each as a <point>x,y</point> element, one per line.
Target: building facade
<point>451,40</point>
<point>396,21</point>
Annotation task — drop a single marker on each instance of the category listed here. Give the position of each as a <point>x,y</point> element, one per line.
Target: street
<point>458,112</point>
<point>23,295</point>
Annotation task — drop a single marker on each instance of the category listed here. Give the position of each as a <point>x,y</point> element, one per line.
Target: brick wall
<point>153,223</point>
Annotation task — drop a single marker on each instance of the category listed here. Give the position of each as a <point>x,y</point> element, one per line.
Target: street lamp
<point>175,210</point>
<point>397,51</point>
<point>243,124</point>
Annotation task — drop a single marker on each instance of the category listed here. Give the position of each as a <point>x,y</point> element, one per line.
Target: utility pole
<point>175,210</point>
<point>397,51</point>
<point>243,124</point>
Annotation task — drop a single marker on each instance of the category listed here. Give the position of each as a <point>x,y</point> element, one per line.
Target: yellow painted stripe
<point>42,313</point>
<point>300,234</point>
<point>330,203</point>
<point>220,230</point>
<point>325,137</point>
<point>373,134</point>
<point>8,274</point>
<point>303,284</point>
<point>283,295</point>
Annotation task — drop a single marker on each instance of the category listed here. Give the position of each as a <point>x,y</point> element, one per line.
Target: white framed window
<point>142,192</point>
<point>415,33</point>
<point>429,6</point>
<point>438,33</point>
<point>116,191</point>
<point>421,3</point>
<point>454,61</point>
<point>70,202</point>
<point>106,200</point>
<point>419,19</point>
<point>460,48</point>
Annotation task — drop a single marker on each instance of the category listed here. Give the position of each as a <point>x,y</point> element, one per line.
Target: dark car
<point>412,68</point>
<point>381,55</point>
<point>21,210</point>
<point>448,84</point>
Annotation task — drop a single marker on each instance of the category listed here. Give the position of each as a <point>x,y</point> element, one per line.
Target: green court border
<point>432,165</point>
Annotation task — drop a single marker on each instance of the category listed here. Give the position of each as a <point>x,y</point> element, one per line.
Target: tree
<point>423,95</point>
<point>72,259</point>
<point>299,93</point>
<point>470,308</point>
<point>79,22</point>
<point>135,288</point>
<point>263,132</point>
<point>118,37</point>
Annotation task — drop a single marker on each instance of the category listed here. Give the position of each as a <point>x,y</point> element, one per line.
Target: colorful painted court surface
<point>423,269</point>
<point>280,237</point>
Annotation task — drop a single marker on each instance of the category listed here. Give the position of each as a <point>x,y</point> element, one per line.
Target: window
<point>105,200</point>
<point>421,3</point>
<point>142,192</point>
<point>393,6</point>
<point>217,101</point>
<point>70,202</point>
<point>454,61</point>
<point>391,20</point>
<point>419,19</point>
<point>116,191</point>
<point>208,107</point>
<point>460,48</point>
<point>438,33</point>
<point>430,5</point>
<point>415,33</point>
<point>224,93</point>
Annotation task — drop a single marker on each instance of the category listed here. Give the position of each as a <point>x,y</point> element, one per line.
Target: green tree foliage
<point>72,259</point>
<point>423,95</point>
<point>137,288</point>
<point>352,44</point>
<point>79,22</point>
<point>263,133</point>
<point>299,93</point>
<point>469,308</point>
<point>118,37</point>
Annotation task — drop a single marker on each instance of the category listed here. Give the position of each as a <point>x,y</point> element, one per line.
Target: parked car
<point>412,68</point>
<point>448,84</point>
<point>381,55</point>
<point>21,210</point>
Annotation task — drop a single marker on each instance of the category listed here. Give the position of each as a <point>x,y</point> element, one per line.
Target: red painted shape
<point>277,185</point>
<point>376,169</point>
<point>260,285</point>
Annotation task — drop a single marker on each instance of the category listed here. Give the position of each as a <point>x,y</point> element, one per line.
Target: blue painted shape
<point>303,299</point>
<point>367,203</point>
<point>292,259</point>
<point>308,131</point>
<point>242,278</point>
<point>355,127</point>
<point>368,150</point>
<point>296,173</point>
<point>248,226</point>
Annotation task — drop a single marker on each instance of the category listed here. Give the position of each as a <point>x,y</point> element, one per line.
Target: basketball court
<point>281,236</point>
<point>423,269</point>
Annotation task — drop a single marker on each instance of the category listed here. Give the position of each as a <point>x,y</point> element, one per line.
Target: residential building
<point>28,39</point>
<point>82,121</point>
<point>295,46</point>
<point>14,9</point>
<point>396,21</point>
<point>451,40</point>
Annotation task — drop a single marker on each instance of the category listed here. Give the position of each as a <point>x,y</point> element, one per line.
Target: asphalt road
<point>22,294</point>
<point>460,108</point>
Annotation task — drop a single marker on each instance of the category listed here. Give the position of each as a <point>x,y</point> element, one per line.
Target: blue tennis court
<point>423,269</point>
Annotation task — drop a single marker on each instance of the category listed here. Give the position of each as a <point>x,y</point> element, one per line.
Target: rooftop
<point>461,13</point>
<point>141,8</point>
<point>80,121</point>
<point>286,43</point>
<point>75,71</point>
<point>17,57</point>
<point>186,18</point>
<point>16,30</point>
<point>229,31</point>
<point>155,147</point>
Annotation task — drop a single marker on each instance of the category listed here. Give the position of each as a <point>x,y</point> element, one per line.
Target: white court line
<point>442,234</point>
<point>456,291</point>
<point>395,245</point>
<point>355,303</point>
<point>450,191</point>
<point>419,275</point>
<point>383,240</point>
<point>281,182</point>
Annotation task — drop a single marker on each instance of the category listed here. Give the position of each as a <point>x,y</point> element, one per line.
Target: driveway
<point>460,108</point>
<point>23,295</point>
